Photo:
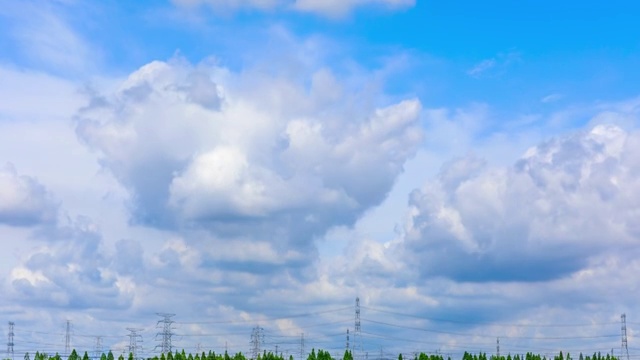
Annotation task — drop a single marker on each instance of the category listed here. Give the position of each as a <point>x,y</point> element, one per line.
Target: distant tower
<point>302,346</point>
<point>166,333</point>
<point>10,339</point>
<point>257,340</point>
<point>625,348</point>
<point>98,349</point>
<point>357,335</point>
<point>67,339</point>
<point>347,339</point>
<point>498,347</point>
<point>135,342</point>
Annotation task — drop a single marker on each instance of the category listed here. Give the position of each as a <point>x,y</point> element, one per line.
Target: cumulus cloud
<point>262,157</point>
<point>23,200</point>
<point>71,270</point>
<point>330,8</point>
<point>564,202</point>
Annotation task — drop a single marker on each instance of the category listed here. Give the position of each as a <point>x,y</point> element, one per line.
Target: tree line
<point>319,355</point>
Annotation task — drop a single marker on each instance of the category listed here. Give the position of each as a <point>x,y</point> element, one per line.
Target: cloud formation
<point>23,200</point>
<point>564,202</point>
<point>70,270</point>
<point>329,8</point>
<point>269,158</point>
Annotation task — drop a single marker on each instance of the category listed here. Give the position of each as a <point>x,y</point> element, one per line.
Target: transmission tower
<point>135,342</point>
<point>10,340</point>
<point>498,347</point>
<point>347,339</point>
<point>67,339</point>
<point>302,346</point>
<point>97,354</point>
<point>257,340</point>
<point>166,333</point>
<point>625,348</point>
<point>357,335</point>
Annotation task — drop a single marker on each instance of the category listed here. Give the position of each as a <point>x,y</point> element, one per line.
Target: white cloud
<point>290,160</point>
<point>495,65</point>
<point>552,98</point>
<point>70,270</point>
<point>564,202</point>
<point>337,8</point>
<point>482,67</point>
<point>330,8</point>
<point>23,200</point>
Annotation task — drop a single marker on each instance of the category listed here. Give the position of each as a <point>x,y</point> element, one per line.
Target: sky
<point>468,170</point>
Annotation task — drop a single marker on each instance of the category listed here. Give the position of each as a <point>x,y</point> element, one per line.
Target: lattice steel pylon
<point>302,346</point>
<point>67,339</point>
<point>357,334</point>
<point>97,352</point>
<point>257,340</point>
<point>624,348</point>
<point>10,340</point>
<point>166,333</point>
<point>347,340</point>
<point>135,343</point>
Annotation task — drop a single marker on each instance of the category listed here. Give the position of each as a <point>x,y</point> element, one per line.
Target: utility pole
<point>357,336</point>
<point>257,339</point>
<point>67,339</point>
<point>10,340</point>
<point>625,348</point>
<point>135,342</point>
<point>165,335</point>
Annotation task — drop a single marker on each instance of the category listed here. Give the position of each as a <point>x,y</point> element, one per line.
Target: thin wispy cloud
<point>324,8</point>
<point>494,66</point>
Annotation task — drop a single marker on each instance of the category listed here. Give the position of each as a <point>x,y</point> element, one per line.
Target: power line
<point>270,319</point>
<point>491,336</point>
<point>487,323</point>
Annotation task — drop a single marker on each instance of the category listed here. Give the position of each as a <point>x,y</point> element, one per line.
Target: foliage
<point>314,355</point>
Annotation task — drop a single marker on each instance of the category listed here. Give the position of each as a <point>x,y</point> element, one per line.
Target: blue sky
<point>467,169</point>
